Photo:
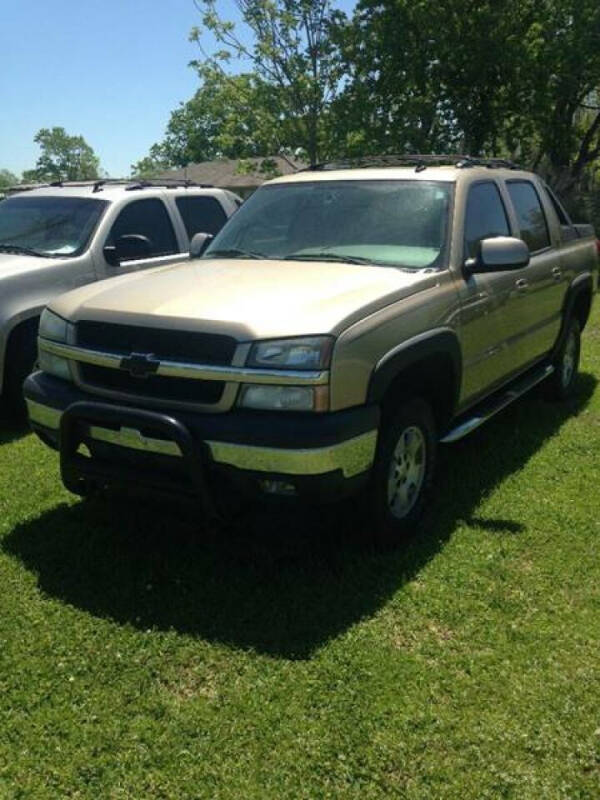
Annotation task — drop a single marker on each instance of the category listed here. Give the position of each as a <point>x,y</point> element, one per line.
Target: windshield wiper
<point>325,256</point>
<point>16,248</point>
<point>234,252</point>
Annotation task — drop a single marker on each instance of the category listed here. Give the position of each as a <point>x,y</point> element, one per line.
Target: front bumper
<point>320,454</point>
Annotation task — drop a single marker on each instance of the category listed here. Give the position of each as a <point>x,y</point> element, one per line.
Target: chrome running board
<point>489,408</point>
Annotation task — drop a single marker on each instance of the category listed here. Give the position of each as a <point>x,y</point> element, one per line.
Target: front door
<point>148,218</point>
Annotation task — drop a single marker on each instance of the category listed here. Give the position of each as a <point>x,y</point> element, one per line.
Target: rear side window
<point>147,218</point>
<point>485,218</point>
<point>530,214</point>
<point>560,212</point>
<point>201,214</point>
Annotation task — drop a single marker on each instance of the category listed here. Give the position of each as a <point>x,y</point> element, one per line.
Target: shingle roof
<point>236,172</point>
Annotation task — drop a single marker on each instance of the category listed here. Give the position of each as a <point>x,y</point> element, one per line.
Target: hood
<point>12,265</point>
<point>249,299</point>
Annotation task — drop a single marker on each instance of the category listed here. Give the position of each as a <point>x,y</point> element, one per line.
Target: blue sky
<point>110,70</point>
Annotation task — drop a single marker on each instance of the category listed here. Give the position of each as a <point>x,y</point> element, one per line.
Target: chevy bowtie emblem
<point>140,365</point>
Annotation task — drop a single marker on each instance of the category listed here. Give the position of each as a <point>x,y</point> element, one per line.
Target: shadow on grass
<point>280,583</point>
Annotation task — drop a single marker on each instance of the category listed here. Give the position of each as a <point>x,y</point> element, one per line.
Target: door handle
<point>556,273</point>
<point>522,285</point>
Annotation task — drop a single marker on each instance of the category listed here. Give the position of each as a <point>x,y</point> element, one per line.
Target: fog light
<point>54,365</point>
<point>278,487</point>
<point>284,398</point>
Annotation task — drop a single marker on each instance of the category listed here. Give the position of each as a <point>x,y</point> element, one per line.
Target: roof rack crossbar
<point>418,160</point>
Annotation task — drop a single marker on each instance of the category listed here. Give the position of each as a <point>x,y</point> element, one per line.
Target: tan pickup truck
<point>344,321</point>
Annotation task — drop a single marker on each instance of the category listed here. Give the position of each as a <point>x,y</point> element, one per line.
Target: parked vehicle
<point>65,235</point>
<point>345,321</point>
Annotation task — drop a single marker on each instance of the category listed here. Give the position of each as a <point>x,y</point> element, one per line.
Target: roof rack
<point>418,160</point>
<point>134,184</point>
<point>131,184</point>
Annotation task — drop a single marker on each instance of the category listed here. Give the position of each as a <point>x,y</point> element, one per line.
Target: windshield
<point>48,226</point>
<point>392,223</point>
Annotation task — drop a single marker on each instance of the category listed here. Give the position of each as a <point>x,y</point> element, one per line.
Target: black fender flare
<point>440,341</point>
<point>583,284</point>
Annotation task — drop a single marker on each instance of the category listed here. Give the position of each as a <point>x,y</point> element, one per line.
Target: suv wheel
<point>566,364</point>
<point>403,470</point>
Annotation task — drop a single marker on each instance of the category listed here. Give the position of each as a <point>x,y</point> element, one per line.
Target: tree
<point>7,179</point>
<point>63,157</point>
<point>293,54</point>
<point>561,90</point>
<point>232,116</point>
<point>428,76</point>
<point>507,77</point>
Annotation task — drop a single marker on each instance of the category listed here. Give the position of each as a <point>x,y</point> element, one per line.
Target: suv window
<point>486,216</point>
<point>530,214</point>
<point>559,210</point>
<point>201,214</point>
<point>52,226</point>
<point>147,218</point>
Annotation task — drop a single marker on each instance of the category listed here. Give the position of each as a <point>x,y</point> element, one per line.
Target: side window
<point>530,214</point>
<point>560,212</point>
<point>485,216</point>
<point>147,218</point>
<point>201,214</point>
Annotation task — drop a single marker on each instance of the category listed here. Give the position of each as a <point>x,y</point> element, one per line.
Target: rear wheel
<point>563,381</point>
<point>403,471</point>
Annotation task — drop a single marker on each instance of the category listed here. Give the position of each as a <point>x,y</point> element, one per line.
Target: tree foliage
<point>62,157</point>
<point>7,179</point>
<point>517,77</point>
<point>293,54</point>
<point>233,116</point>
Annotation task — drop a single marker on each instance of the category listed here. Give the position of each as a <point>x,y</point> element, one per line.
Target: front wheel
<point>403,471</point>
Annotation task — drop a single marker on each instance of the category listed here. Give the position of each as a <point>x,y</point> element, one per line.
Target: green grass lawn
<point>141,658</point>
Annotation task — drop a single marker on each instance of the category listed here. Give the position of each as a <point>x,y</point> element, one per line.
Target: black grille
<point>160,387</point>
<point>165,344</point>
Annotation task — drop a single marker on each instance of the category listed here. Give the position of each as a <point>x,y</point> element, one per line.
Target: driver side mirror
<point>498,254</point>
<point>129,247</point>
<point>199,243</point>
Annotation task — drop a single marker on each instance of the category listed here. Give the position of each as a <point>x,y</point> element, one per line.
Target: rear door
<point>539,299</point>
<point>201,214</point>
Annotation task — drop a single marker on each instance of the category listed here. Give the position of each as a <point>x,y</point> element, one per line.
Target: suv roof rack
<point>130,184</point>
<point>418,160</point>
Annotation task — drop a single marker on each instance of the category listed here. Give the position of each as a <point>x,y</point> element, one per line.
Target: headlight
<point>53,327</point>
<point>311,352</point>
<point>284,398</point>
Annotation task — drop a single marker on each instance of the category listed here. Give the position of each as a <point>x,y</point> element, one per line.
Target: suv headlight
<point>55,329</point>
<point>308,352</point>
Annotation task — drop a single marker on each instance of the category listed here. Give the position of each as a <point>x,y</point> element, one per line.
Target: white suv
<point>64,235</point>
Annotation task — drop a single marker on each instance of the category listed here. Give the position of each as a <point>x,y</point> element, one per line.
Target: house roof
<point>236,172</point>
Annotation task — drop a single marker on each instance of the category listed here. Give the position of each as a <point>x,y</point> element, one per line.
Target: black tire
<point>21,356</point>
<point>395,515</point>
<point>563,382</point>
